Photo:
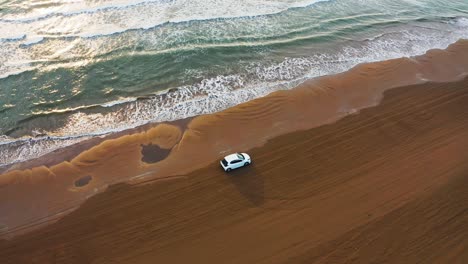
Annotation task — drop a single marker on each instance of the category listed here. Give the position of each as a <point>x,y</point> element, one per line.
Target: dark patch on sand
<point>83,181</point>
<point>153,153</point>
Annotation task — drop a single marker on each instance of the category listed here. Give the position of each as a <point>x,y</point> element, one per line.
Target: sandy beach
<point>367,166</point>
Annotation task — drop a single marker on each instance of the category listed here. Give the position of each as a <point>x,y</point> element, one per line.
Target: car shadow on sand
<point>249,183</point>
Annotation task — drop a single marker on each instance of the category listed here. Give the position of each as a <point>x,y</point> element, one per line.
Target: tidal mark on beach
<point>153,153</point>
<point>83,181</point>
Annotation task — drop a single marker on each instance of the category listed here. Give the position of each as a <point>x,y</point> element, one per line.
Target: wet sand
<point>385,185</point>
<point>70,152</point>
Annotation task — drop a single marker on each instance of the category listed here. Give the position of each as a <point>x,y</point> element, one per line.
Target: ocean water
<point>71,70</point>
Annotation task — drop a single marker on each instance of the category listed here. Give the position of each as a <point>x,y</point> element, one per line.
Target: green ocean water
<point>73,70</point>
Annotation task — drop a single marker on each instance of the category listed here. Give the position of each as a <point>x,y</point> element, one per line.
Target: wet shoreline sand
<point>68,153</point>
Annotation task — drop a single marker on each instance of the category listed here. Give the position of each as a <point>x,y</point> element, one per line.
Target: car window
<point>240,156</point>
<point>235,161</point>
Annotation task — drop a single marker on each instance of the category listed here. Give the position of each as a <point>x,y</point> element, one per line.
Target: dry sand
<point>387,184</point>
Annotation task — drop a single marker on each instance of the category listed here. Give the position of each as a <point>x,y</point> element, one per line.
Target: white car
<point>235,161</point>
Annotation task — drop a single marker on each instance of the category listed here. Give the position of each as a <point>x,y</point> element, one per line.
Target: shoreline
<point>386,185</point>
<point>315,103</point>
<point>71,151</point>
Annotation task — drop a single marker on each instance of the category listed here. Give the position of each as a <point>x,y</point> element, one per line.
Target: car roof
<point>231,157</point>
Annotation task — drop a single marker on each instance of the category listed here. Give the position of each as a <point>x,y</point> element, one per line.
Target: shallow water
<point>72,70</point>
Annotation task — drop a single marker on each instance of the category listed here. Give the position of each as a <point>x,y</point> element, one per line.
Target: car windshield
<point>240,156</point>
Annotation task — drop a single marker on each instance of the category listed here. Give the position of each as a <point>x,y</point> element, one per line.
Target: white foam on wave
<point>118,102</point>
<point>461,22</point>
<point>104,19</point>
<point>32,40</point>
<point>14,150</point>
<point>88,19</point>
<point>60,27</point>
<point>65,8</point>
<point>225,8</point>
<point>10,36</point>
<point>13,60</point>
